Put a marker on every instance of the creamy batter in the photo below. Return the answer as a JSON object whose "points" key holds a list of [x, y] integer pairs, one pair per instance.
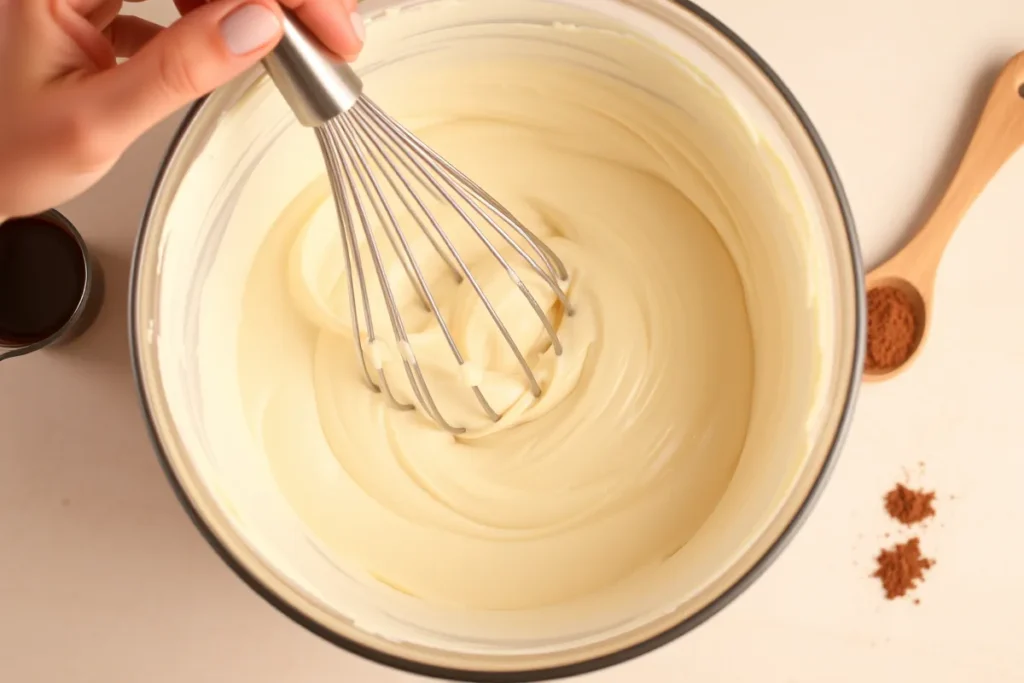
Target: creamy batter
{"points": [[642, 418], [661, 442]]}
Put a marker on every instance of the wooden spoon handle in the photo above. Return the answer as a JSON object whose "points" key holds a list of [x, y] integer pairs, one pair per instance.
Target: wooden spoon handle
{"points": [[999, 133]]}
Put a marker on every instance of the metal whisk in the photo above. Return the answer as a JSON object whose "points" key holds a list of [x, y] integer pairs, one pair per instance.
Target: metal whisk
{"points": [[364, 149]]}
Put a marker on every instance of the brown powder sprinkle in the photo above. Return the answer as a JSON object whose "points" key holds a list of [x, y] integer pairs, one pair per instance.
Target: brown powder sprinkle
{"points": [[892, 330], [908, 506], [901, 567]]}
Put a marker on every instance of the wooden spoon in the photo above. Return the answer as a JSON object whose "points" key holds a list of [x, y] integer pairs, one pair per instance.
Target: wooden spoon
{"points": [[1000, 132]]}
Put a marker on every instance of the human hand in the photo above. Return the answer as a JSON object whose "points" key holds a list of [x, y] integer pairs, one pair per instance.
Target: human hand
{"points": [[68, 110]]}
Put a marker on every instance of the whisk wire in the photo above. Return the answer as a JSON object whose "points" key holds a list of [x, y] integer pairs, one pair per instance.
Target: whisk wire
{"points": [[381, 154], [361, 136], [405, 253], [384, 215], [335, 175], [531, 378], [433, 159], [390, 126], [412, 369], [336, 145], [424, 180], [359, 142]]}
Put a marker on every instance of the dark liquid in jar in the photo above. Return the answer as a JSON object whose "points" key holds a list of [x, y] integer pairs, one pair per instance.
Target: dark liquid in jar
{"points": [[42, 275]]}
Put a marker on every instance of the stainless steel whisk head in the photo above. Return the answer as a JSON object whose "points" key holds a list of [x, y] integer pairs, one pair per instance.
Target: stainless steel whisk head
{"points": [[368, 153]]}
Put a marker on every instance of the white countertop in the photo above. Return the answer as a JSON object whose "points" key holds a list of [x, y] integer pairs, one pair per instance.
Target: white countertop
{"points": [[103, 578]]}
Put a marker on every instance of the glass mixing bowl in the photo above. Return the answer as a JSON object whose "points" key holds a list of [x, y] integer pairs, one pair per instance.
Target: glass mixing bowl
{"points": [[804, 396]]}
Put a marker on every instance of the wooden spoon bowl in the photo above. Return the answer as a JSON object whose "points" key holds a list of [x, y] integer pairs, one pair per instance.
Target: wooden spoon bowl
{"points": [[918, 308]]}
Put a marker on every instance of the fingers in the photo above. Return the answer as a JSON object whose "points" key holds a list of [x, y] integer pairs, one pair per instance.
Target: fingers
{"points": [[202, 50], [170, 67], [335, 22], [128, 34]]}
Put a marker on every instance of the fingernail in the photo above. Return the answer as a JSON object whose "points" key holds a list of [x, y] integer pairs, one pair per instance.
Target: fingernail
{"points": [[358, 26], [248, 28]]}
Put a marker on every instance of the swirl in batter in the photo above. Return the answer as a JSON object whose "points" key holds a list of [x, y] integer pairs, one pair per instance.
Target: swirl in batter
{"points": [[642, 418]]}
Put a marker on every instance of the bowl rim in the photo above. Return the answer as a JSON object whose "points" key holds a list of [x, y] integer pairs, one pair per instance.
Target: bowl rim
{"points": [[593, 664]]}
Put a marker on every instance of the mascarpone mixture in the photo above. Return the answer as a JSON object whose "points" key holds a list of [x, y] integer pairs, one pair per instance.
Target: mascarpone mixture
{"points": [[657, 212], [641, 420]]}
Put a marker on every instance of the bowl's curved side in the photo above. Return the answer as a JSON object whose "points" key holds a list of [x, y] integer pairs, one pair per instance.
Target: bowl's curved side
{"points": [[135, 330]]}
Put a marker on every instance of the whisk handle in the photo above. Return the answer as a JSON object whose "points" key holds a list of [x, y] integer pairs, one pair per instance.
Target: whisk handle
{"points": [[315, 86]]}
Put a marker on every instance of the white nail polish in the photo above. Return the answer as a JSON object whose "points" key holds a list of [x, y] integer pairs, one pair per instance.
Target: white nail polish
{"points": [[358, 26], [248, 28]]}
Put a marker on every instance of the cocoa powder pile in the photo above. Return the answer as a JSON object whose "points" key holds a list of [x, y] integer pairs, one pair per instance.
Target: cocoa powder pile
{"points": [[908, 506], [892, 328], [901, 567]]}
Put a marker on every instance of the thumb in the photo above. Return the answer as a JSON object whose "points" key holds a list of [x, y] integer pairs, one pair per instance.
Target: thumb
{"points": [[201, 51]]}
